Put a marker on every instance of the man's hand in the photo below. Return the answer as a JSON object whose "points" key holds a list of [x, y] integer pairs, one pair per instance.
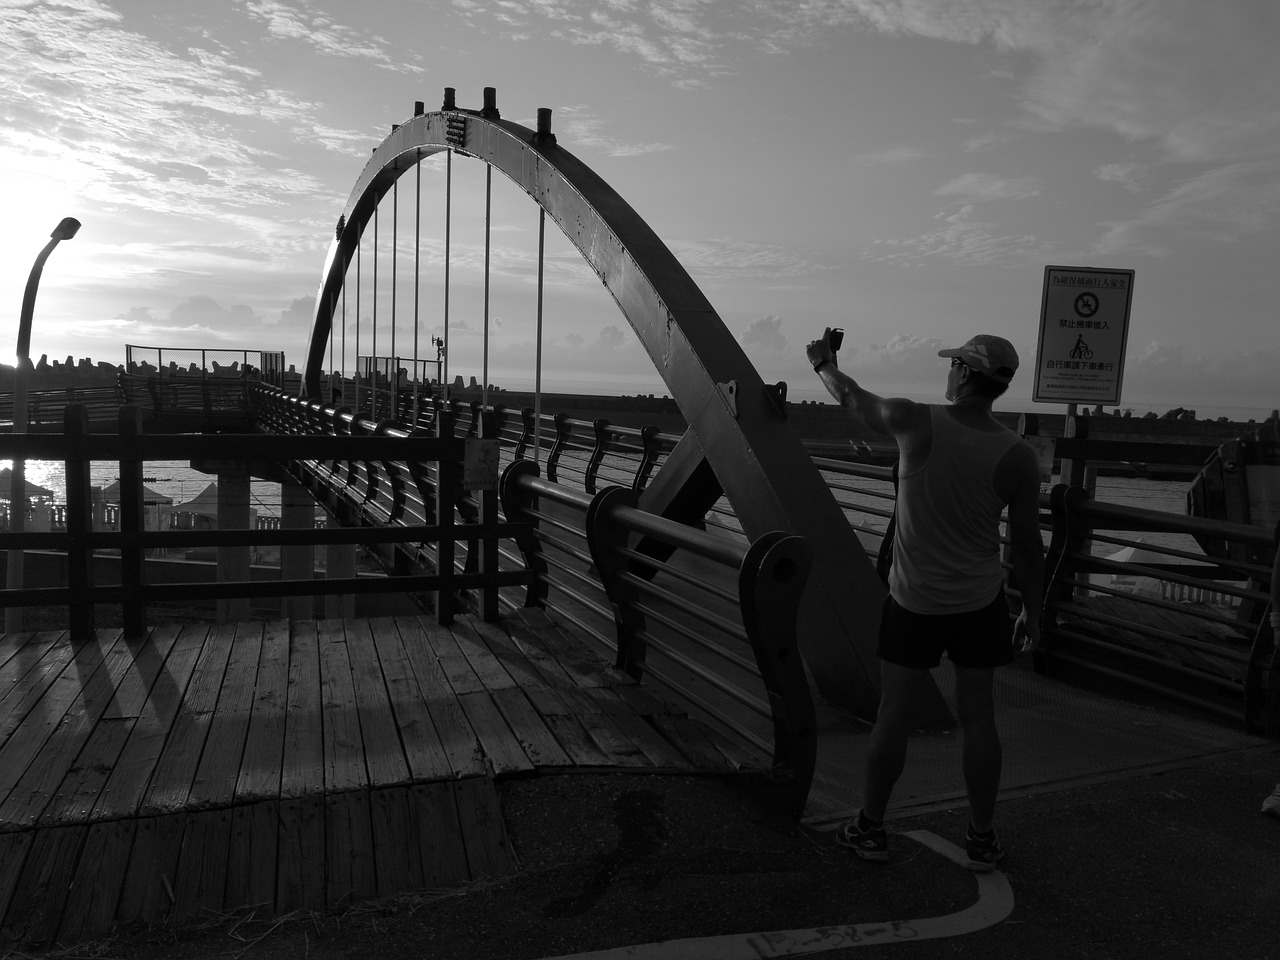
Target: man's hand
{"points": [[1026, 633], [819, 351]]}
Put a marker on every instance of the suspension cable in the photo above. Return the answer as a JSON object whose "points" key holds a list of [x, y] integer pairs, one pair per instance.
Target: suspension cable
{"points": [[393, 371], [359, 274], [537, 370], [448, 223], [373, 350], [417, 255], [342, 371], [488, 209]]}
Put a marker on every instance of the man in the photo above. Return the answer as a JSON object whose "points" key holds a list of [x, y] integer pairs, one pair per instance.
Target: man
{"points": [[959, 468]]}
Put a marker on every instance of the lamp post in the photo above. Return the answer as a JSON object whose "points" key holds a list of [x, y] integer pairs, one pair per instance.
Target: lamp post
{"points": [[18, 481]]}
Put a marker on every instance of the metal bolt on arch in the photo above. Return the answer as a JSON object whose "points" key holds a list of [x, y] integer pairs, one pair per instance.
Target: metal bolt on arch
{"points": [[737, 423]]}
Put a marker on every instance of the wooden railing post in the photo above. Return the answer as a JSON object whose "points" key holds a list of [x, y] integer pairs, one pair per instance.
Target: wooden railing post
{"points": [[606, 541], [526, 434], [771, 582], [132, 522], [490, 518], [79, 527], [1069, 533], [557, 447], [446, 486], [1262, 677], [648, 458], [518, 507], [600, 429]]}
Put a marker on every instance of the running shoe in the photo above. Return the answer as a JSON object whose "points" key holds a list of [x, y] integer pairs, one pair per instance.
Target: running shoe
{"points": [[983, 850], [1271, 805], [869, 842]]}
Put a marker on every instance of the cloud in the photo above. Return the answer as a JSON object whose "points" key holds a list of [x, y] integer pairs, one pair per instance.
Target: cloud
{"points": [[893, 156], [721, 260], [966, 240], [1224, 204], [577, 126], [976, 187], [763, 337]]}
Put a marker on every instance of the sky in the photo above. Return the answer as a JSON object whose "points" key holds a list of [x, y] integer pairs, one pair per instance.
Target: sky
{"points": [[902, 169]]}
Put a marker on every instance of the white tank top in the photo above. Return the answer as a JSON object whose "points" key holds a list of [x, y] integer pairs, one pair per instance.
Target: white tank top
{"points": [[946, 553]]}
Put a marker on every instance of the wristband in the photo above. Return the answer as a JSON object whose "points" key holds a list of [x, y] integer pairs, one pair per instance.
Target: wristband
{"points": [[818, 366]]}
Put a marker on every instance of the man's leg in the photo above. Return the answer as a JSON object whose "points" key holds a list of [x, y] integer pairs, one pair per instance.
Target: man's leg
{"points": [[887, 753], [982, 754]]}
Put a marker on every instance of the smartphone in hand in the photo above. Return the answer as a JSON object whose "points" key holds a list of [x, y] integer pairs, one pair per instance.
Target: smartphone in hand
{"points": [[836, 339]]}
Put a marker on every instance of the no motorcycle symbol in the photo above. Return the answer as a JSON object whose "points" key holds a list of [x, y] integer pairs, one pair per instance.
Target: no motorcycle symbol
{"points": [[1087, 305]]}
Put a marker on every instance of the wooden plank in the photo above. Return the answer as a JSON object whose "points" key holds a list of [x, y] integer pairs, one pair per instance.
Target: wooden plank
{"points": [[13, 855], [13, 644], [458, 739], [491, 673], [569, 732], [219, 767], [484, 832], [584, 666], [437, 835], [617, 711], [122, 793], [348, 840], [424, 753], [384, 754], [262, 764], [396, 865], [30, 687], [175, 770], [507, 652], [344, 766], [691, 740], [35, 911], [302, 770], [202, 868], [300, 881], [146, 895], [251, 858], [90, 911], [500, 745], [75, 782], [531, 732], [458, 672], [34, 761], [24, 677]]}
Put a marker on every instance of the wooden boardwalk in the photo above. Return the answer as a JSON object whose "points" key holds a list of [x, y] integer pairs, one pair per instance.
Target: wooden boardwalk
{"points": [[292, 764]]}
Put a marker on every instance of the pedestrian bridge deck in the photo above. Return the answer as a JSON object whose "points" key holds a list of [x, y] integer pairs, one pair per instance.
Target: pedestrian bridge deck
{"points": [[293, 764]]}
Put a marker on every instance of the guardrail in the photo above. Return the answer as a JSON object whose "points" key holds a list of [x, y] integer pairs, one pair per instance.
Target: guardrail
{"points": [[355, 492], [732, 653]]}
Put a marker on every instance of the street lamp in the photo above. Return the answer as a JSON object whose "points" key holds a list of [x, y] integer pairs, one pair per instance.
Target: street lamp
{"points": [[18, 482]]}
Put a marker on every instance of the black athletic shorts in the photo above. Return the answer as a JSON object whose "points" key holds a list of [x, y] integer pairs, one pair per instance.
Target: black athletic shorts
{"points": [[979, 638]]}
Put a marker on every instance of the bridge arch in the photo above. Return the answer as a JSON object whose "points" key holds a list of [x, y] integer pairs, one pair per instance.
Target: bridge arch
{"points": [[737, 424]]}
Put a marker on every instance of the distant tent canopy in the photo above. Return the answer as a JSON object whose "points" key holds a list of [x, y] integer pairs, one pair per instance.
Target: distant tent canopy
{"points": [[34, 490]]}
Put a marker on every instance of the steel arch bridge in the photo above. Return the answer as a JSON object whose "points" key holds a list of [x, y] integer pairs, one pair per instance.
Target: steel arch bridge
{"points": [[737, 423]]}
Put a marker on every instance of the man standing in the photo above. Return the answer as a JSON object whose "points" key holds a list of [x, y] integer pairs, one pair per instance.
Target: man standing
{"points": [[959, 468]]}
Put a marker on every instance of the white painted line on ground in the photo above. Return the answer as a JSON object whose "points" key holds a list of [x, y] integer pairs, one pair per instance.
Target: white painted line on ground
{"points": [[995, 903]]}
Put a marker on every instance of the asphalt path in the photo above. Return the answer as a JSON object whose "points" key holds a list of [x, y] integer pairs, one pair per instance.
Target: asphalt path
{"points": [[1174, 864]]}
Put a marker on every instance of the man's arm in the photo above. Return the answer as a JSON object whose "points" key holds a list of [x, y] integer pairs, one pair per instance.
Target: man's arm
{"points": [[1027, 549], [887, 415]]}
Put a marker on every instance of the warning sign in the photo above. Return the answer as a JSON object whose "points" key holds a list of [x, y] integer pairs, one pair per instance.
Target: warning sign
{"points": [[1084, 329]]}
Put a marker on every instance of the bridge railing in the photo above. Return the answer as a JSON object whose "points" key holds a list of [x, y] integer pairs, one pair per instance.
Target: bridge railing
{"points": [[710, 618], [1191, 629], [1187, 626], [352, 455]]}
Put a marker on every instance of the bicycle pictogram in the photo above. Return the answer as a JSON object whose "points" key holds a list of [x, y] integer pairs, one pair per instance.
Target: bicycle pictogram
{"points": [[1081, 350]]}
